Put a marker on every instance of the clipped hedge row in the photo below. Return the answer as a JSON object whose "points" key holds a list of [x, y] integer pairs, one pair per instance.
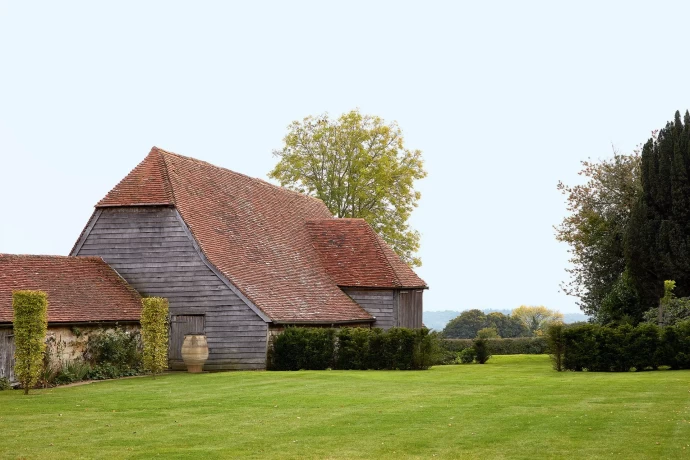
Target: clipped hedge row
{"points": [[619, 349], [515, 346], [352, 348]]}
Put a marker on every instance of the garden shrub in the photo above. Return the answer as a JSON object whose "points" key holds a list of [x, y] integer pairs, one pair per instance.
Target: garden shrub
{"points": [[353, 348], [682, 352], [580, 347], [481, 350], [554, 338], [154, 334], [306, 348], [5, 384], [620, 349], [467, 356], [400, 345], [113, 353], [643, 344], [488, 333], [72, 371], [612, 354], [669, 343], [30, 323], [377, 358], [426, 350], [514, 346]]}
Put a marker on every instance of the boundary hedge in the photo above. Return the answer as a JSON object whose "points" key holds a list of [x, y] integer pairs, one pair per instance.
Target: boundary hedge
{"points": [[514, 346], [352, 348], [620, 349]]}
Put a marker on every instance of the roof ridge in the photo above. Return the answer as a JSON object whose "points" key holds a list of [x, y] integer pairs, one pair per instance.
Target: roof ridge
{"points": [[256, 179], [167, 183]]}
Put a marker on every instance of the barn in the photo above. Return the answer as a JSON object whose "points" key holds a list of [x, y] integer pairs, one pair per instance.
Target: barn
{"points": [[239, 259]]}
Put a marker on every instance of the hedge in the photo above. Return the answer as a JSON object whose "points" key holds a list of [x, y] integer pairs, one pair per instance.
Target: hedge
{"points": [[515, 346], [619, 349], [30, 324], [352, 348], [154, 334]]}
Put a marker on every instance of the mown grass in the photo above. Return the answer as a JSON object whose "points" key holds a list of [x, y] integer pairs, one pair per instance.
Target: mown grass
{"points": [[512, 407]]}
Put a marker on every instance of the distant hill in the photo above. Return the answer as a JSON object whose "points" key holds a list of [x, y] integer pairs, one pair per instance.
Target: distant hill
{"points": [[437, 320]]}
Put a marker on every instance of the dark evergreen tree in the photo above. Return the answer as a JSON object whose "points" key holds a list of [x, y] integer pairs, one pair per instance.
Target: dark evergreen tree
{"points": [[658, 237]]}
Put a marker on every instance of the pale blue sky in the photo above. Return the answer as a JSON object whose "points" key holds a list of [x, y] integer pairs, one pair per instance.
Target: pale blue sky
{"points": [[503, 98]]}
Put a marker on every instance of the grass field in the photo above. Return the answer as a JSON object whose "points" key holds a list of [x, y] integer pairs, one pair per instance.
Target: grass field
{"points": [[512, 407]]}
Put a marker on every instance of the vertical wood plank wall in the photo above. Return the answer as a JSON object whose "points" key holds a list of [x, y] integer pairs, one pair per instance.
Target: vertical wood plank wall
{"points": [[410, 309], [380, 304], [7, 354], [180, 325], [149, 248]]}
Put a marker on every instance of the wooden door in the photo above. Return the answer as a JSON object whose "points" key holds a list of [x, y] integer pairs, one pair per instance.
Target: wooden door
{"points": [[7, 354], [179, 326]]}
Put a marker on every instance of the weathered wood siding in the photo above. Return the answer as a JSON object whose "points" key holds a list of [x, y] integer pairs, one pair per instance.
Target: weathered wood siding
{"points": [[180, 325], [380, 304], [394, 308], [410, 309], [7, 354], [149, 247]]}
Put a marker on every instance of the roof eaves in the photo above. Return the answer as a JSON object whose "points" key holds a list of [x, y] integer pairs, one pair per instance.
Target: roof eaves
{"points": [[322, 322], [171, 205]]}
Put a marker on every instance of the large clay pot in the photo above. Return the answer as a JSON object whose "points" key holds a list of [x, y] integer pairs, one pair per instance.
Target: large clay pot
{"points": [[194, 352]]}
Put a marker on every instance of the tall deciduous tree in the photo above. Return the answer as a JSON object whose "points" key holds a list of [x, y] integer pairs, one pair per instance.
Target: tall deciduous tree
{"points": [[599, 214], [466, 325], [507, 326], [358, 166], [536, 318]]}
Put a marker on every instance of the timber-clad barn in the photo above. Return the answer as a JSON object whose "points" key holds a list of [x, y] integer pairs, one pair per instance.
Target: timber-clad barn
{"points": [[239, 259]]}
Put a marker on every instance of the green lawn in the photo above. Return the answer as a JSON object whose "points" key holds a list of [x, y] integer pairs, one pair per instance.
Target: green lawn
{"points": [[512, 407]]}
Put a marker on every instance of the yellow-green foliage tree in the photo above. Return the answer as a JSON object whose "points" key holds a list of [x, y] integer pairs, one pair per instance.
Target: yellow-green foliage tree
{"points": [[30, 325], [536, 318], [154, 334], [358, 166]]}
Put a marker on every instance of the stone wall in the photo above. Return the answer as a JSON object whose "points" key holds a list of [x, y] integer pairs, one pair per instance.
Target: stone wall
{"points": [[67, 343]]}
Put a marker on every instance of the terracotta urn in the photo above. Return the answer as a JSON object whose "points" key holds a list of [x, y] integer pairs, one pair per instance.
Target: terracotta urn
{"points": [[194, 352]]}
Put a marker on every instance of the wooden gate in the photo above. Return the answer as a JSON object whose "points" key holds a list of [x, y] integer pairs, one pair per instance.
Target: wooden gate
{"points": [[179, 326], [7, 354]]}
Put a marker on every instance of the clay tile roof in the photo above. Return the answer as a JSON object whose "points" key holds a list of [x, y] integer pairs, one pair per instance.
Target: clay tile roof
{"points": [[80, 289], [253, 232], [354, 255], [147, 184]]}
